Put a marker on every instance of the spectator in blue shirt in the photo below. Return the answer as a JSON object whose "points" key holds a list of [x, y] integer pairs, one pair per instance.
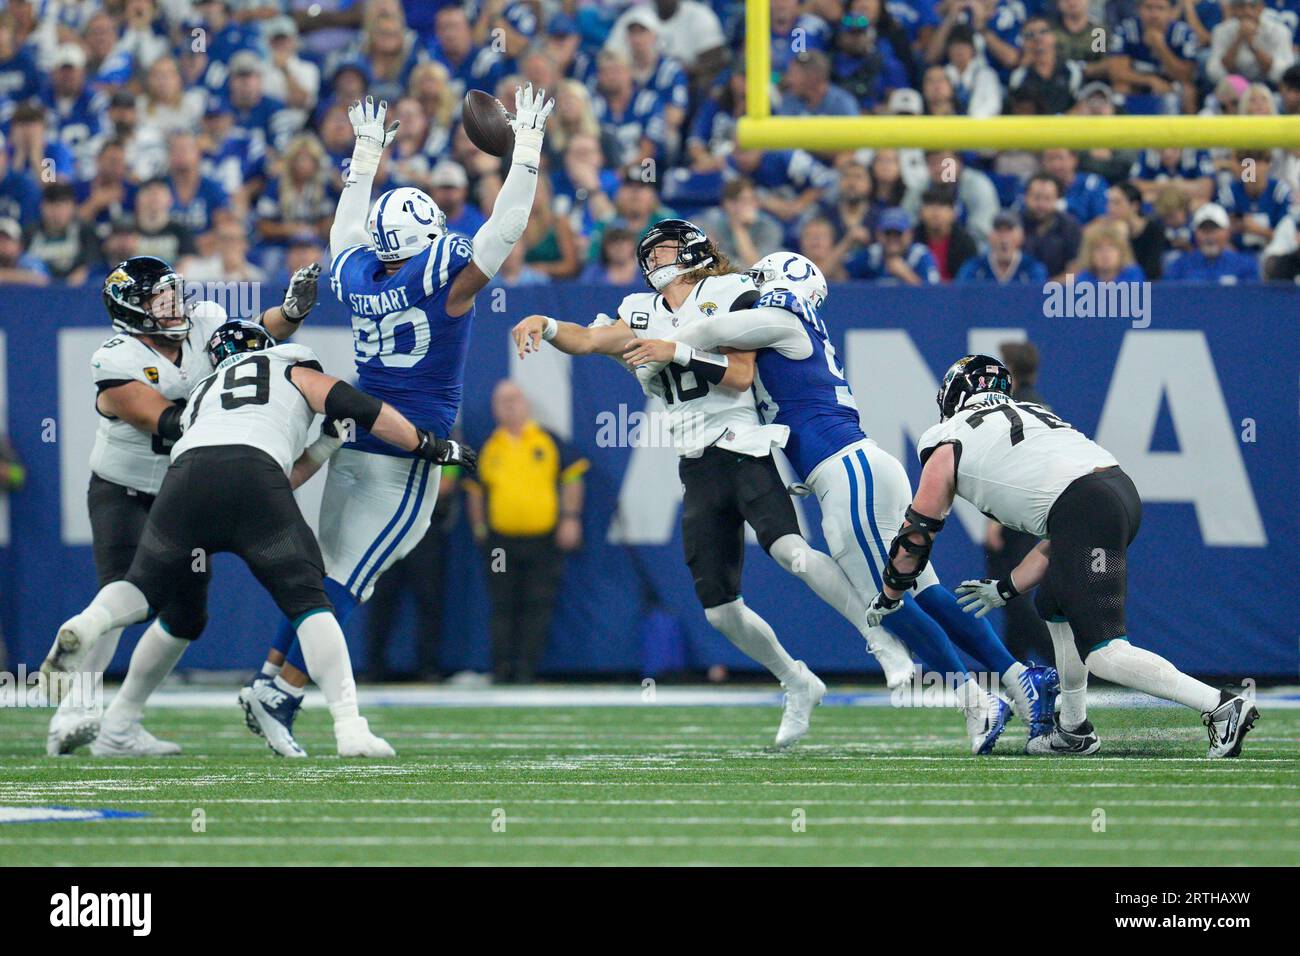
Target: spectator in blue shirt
{"points": [[633, 117], [810, 92], [1154, 54], [1191, 170], [895, 258], [1005, 263], [451, 192], [195, 197], [16, 266], [20, 193], [1106, 256], [1084, 193], [865, 63], [812, 33], [263, 119], [76, 110], [1213, 260], [1255, 200], [20, 80], [470, 67], [661, 75], [33, 151]]}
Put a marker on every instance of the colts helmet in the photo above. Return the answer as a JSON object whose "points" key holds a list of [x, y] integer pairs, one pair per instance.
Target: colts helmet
{"points": [[789, 270], [403, 223], [129, 292], [235, 338], [969, 376], [694, 251]]}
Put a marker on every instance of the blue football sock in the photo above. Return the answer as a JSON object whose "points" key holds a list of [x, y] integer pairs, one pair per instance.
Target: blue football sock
{"points": [[344, 604], [972, 634], [925, 638]]}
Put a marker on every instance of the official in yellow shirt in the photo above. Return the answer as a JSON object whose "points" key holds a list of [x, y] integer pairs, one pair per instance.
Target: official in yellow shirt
{"points": [[525, 506]]}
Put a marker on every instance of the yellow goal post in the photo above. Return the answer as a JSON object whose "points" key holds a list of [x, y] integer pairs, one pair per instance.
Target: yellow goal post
{"points": [[759, 129]]}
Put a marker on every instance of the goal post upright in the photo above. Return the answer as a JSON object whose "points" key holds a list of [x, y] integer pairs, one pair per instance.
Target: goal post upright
{"points": [[759, 129]]}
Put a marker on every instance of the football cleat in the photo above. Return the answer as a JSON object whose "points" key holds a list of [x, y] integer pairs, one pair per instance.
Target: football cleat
{"points": [[130, 740], [355, 740], [985, 723], [71, 645], [892, 656], [1035, 698], [68, 732], [270, 712], [1080, 742], [1228, 724], [801, 696]]}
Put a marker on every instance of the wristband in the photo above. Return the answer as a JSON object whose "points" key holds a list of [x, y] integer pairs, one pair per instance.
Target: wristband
{"points": [[682, 354], [1007, 589], [552, 329]]}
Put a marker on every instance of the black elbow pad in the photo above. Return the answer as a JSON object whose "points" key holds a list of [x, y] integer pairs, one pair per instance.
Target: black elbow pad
{"points": [[345, 403], [169, 422]]}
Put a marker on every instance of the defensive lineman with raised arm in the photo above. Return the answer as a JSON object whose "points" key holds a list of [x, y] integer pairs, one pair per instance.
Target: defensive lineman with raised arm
{"points": [[410, 286], [861, 489], [728, 474], [230, 489], [143, 375], [1028, 470]]}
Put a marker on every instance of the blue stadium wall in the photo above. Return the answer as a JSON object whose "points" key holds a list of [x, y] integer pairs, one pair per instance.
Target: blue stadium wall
{"points": [[1197, 397]]}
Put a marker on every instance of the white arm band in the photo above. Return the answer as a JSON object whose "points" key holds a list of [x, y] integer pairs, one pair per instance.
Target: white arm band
{"points": [[496, 237], [349, 226], [552, 329]]}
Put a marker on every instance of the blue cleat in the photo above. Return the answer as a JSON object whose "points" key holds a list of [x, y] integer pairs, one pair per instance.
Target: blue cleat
{"points": [[1041, 686], [986, 723], [269, 712]]}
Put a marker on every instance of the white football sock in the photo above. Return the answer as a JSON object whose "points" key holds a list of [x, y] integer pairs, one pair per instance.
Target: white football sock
{"points": [[122, 602], [753, 636], [1121, 663], [329, 664], [81, 699], [153, 659], [828, 581], [271, 671], [1073, 673], [970, 694], [282, 684]]}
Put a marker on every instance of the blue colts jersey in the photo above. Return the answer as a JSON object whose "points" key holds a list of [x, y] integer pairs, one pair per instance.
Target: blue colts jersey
{"points": [[409, 351], [809, 395]]}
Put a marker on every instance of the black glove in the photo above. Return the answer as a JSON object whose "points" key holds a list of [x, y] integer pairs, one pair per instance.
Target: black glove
{"points": [[444, 451]]}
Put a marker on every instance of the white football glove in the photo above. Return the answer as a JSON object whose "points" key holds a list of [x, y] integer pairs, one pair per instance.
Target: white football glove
{"points": [[372, 136], [301, 297], [880, 608], [979, 596], [531, 112]]}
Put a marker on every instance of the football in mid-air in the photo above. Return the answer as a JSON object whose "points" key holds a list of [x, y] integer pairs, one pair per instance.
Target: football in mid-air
{"points": [[487, 124]]}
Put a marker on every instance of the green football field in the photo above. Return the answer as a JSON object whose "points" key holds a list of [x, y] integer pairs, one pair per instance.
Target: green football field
{"points": [[654, 784]]}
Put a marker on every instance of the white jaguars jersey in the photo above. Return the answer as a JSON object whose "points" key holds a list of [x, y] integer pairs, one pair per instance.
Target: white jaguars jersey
{"points": [[250, 400], [123, 454], [700, 414], [1014, 459]]}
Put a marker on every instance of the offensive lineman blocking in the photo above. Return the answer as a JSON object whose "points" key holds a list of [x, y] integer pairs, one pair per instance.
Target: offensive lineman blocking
{"points": [[1023, 466]]}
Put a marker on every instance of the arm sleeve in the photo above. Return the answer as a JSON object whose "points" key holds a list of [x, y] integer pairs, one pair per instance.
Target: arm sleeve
{"points": [[496, 237], [349, 228], [761, 328]]}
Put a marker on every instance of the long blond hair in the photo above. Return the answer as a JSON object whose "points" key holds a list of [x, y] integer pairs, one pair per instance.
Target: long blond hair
{"points": [[1099, 232]]}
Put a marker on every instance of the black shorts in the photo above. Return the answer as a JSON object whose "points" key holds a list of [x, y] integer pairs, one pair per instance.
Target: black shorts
{"points": [[117, 518], [1091, 525], [722, 490], [226, 498]]}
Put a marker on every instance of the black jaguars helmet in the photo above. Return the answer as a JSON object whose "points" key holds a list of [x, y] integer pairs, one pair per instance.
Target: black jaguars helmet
{"points": [[235, 338], [129, 291], [967, 376], [694, 250]]}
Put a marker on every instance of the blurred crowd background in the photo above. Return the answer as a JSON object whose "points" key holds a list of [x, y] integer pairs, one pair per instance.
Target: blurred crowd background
{"points": [[212, 133]]}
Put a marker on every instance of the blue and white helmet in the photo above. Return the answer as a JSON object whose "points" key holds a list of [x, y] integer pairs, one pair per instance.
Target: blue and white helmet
{"points": [[403, 223], [789, 270]]}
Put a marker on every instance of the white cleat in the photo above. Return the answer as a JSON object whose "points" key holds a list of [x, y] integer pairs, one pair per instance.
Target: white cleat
{"points": [[802, 694], [67, 733], [76, 637], [1228, 725], [985, 722], [892, 655], [130, 740], [355, 740], [1059, 742]]}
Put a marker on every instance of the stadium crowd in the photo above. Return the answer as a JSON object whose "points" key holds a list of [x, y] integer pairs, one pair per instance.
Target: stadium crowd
{"points": [[212, 133]]}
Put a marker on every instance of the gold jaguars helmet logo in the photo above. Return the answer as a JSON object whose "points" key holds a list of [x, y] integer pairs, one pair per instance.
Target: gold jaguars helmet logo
{"points": [[118, 282]]}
